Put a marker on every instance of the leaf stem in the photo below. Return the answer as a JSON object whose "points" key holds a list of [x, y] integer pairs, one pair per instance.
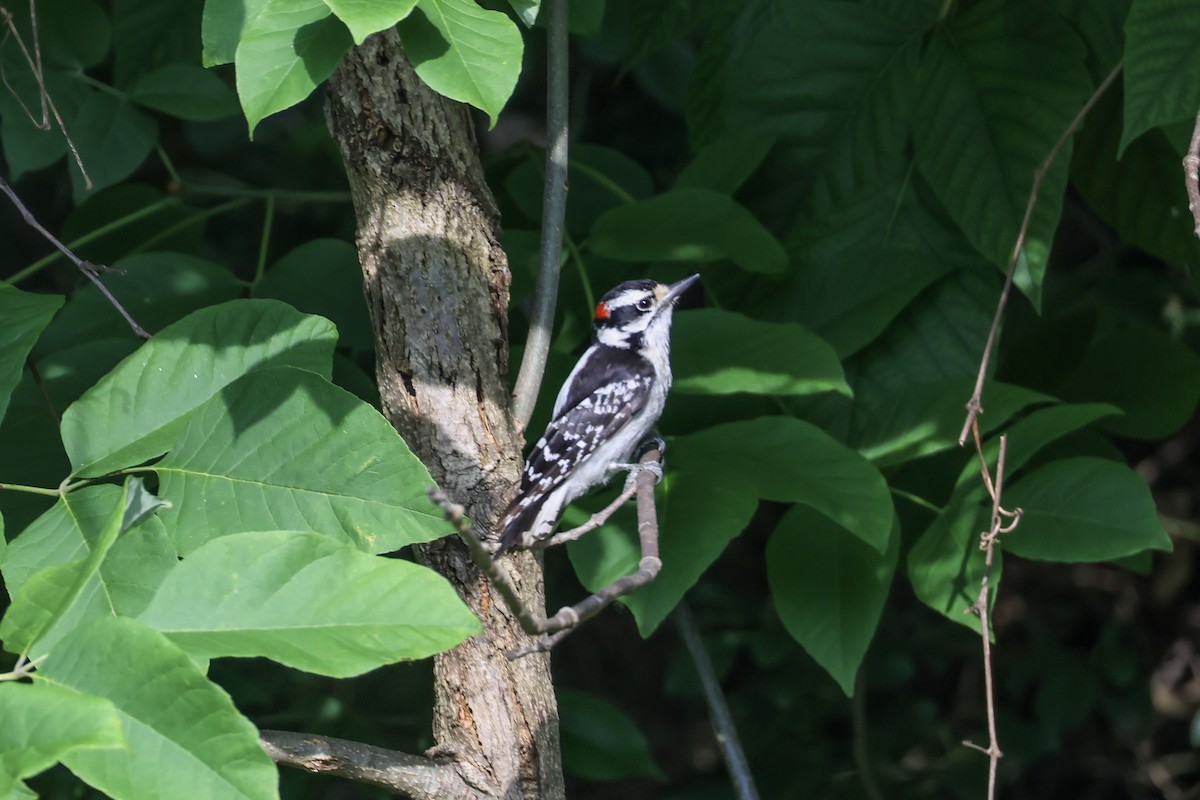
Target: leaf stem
{"points": [[265, 243], [17, 487]]}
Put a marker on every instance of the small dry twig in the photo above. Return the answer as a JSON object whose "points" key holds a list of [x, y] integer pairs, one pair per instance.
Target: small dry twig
{"points": [[91, 271], [561, 624], [34, 61], [987, 543]]}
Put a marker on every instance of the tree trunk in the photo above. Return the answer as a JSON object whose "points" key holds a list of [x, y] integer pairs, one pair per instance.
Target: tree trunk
{"points": [[437, 287]]}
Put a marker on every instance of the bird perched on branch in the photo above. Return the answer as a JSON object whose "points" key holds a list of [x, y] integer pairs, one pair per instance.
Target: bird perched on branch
{"points": [[606, 408]]}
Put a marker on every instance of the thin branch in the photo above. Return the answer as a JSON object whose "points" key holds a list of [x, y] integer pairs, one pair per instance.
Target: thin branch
{"points": [[718, 710], [987, 543], [418, 777], [86, 267], [596, 520], [569, 617], [554, 207], [975, 404], [1191, 174]]}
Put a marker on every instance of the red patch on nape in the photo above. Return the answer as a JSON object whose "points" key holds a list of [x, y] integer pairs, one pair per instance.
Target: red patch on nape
{"points": [[602, 311]]}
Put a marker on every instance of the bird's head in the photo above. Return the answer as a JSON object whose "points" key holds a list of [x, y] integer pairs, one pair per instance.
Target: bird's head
{"points": [[634, 309]]}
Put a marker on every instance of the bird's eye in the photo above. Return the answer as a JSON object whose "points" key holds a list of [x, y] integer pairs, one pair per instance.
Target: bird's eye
{"points": [[644, 304]]}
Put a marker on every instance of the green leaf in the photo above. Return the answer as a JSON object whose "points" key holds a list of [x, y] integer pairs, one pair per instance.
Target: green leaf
{"points": [[56, 599], [464, 52], [113, 138], [287, 49], [600, 742], [185, 737], [59, 597], [724, 164], [829, 588], [1162, 52], [720, 352], [283, 449], [322, 276], [186, 91], [790, 460], [700, 510], [526, 10], [221, 28], [691, 225], [945, 564], [309, 602], [364, 17], [1083, 509], [996, 95], [850, 297], [137, 410], [150, 35], [24, 315], [42, 723], [1150, 376], [1139, 194]]}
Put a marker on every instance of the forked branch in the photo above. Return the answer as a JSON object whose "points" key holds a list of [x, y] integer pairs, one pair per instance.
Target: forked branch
{"points": [[561, 624]]}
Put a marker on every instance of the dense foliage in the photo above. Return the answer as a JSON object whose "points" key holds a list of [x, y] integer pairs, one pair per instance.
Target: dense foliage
{"points": [[849, 177]]}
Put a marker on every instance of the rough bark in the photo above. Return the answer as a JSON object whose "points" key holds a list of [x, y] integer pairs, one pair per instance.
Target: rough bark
{"points": [[437, 286]]}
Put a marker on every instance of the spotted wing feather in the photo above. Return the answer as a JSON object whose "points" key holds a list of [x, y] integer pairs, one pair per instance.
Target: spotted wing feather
{"points": [[593, 410]]}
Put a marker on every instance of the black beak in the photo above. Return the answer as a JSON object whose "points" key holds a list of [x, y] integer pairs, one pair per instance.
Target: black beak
{"points": [[676, 290]]}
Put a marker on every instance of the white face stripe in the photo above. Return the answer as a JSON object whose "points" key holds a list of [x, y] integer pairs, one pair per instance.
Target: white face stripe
{"points": [[627, 298]]}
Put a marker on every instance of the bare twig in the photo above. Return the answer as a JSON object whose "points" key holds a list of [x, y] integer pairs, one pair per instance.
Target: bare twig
{"points": [[595, 521], [1191, 174], [718, 710], [987, 543], [86, 267], [41, 386], [554, 207], [34, 62], [569, 617], [418, 777], [975, 404]]}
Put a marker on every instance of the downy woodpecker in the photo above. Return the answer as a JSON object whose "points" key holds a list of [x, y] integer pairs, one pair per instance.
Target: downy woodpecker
{"points": [[608, 405]]}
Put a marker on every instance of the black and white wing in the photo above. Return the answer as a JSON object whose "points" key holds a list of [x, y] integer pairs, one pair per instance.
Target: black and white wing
{"points": [[598, 400]]}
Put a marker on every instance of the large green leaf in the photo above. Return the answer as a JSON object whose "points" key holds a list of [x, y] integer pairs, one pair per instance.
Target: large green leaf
{"points": [[1150, 376], [307, 601], [136, 411], [60, 596], [186, 91], [691, 225], [464, 52], [945, 564], [287, 48], [829, 588], [600, 742], [724, 164], [24, 315], [1000, 83], [42, 723], [790, 460], [1083, 509], [720, 352], [185, 737], [1139, 194], [850, 297], [283, 449], [113, 138], [364, 17], [1162, 54], [700, 510]]}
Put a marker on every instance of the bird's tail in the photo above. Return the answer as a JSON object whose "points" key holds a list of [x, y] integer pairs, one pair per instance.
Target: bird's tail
{"points": [[519, 518]]}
